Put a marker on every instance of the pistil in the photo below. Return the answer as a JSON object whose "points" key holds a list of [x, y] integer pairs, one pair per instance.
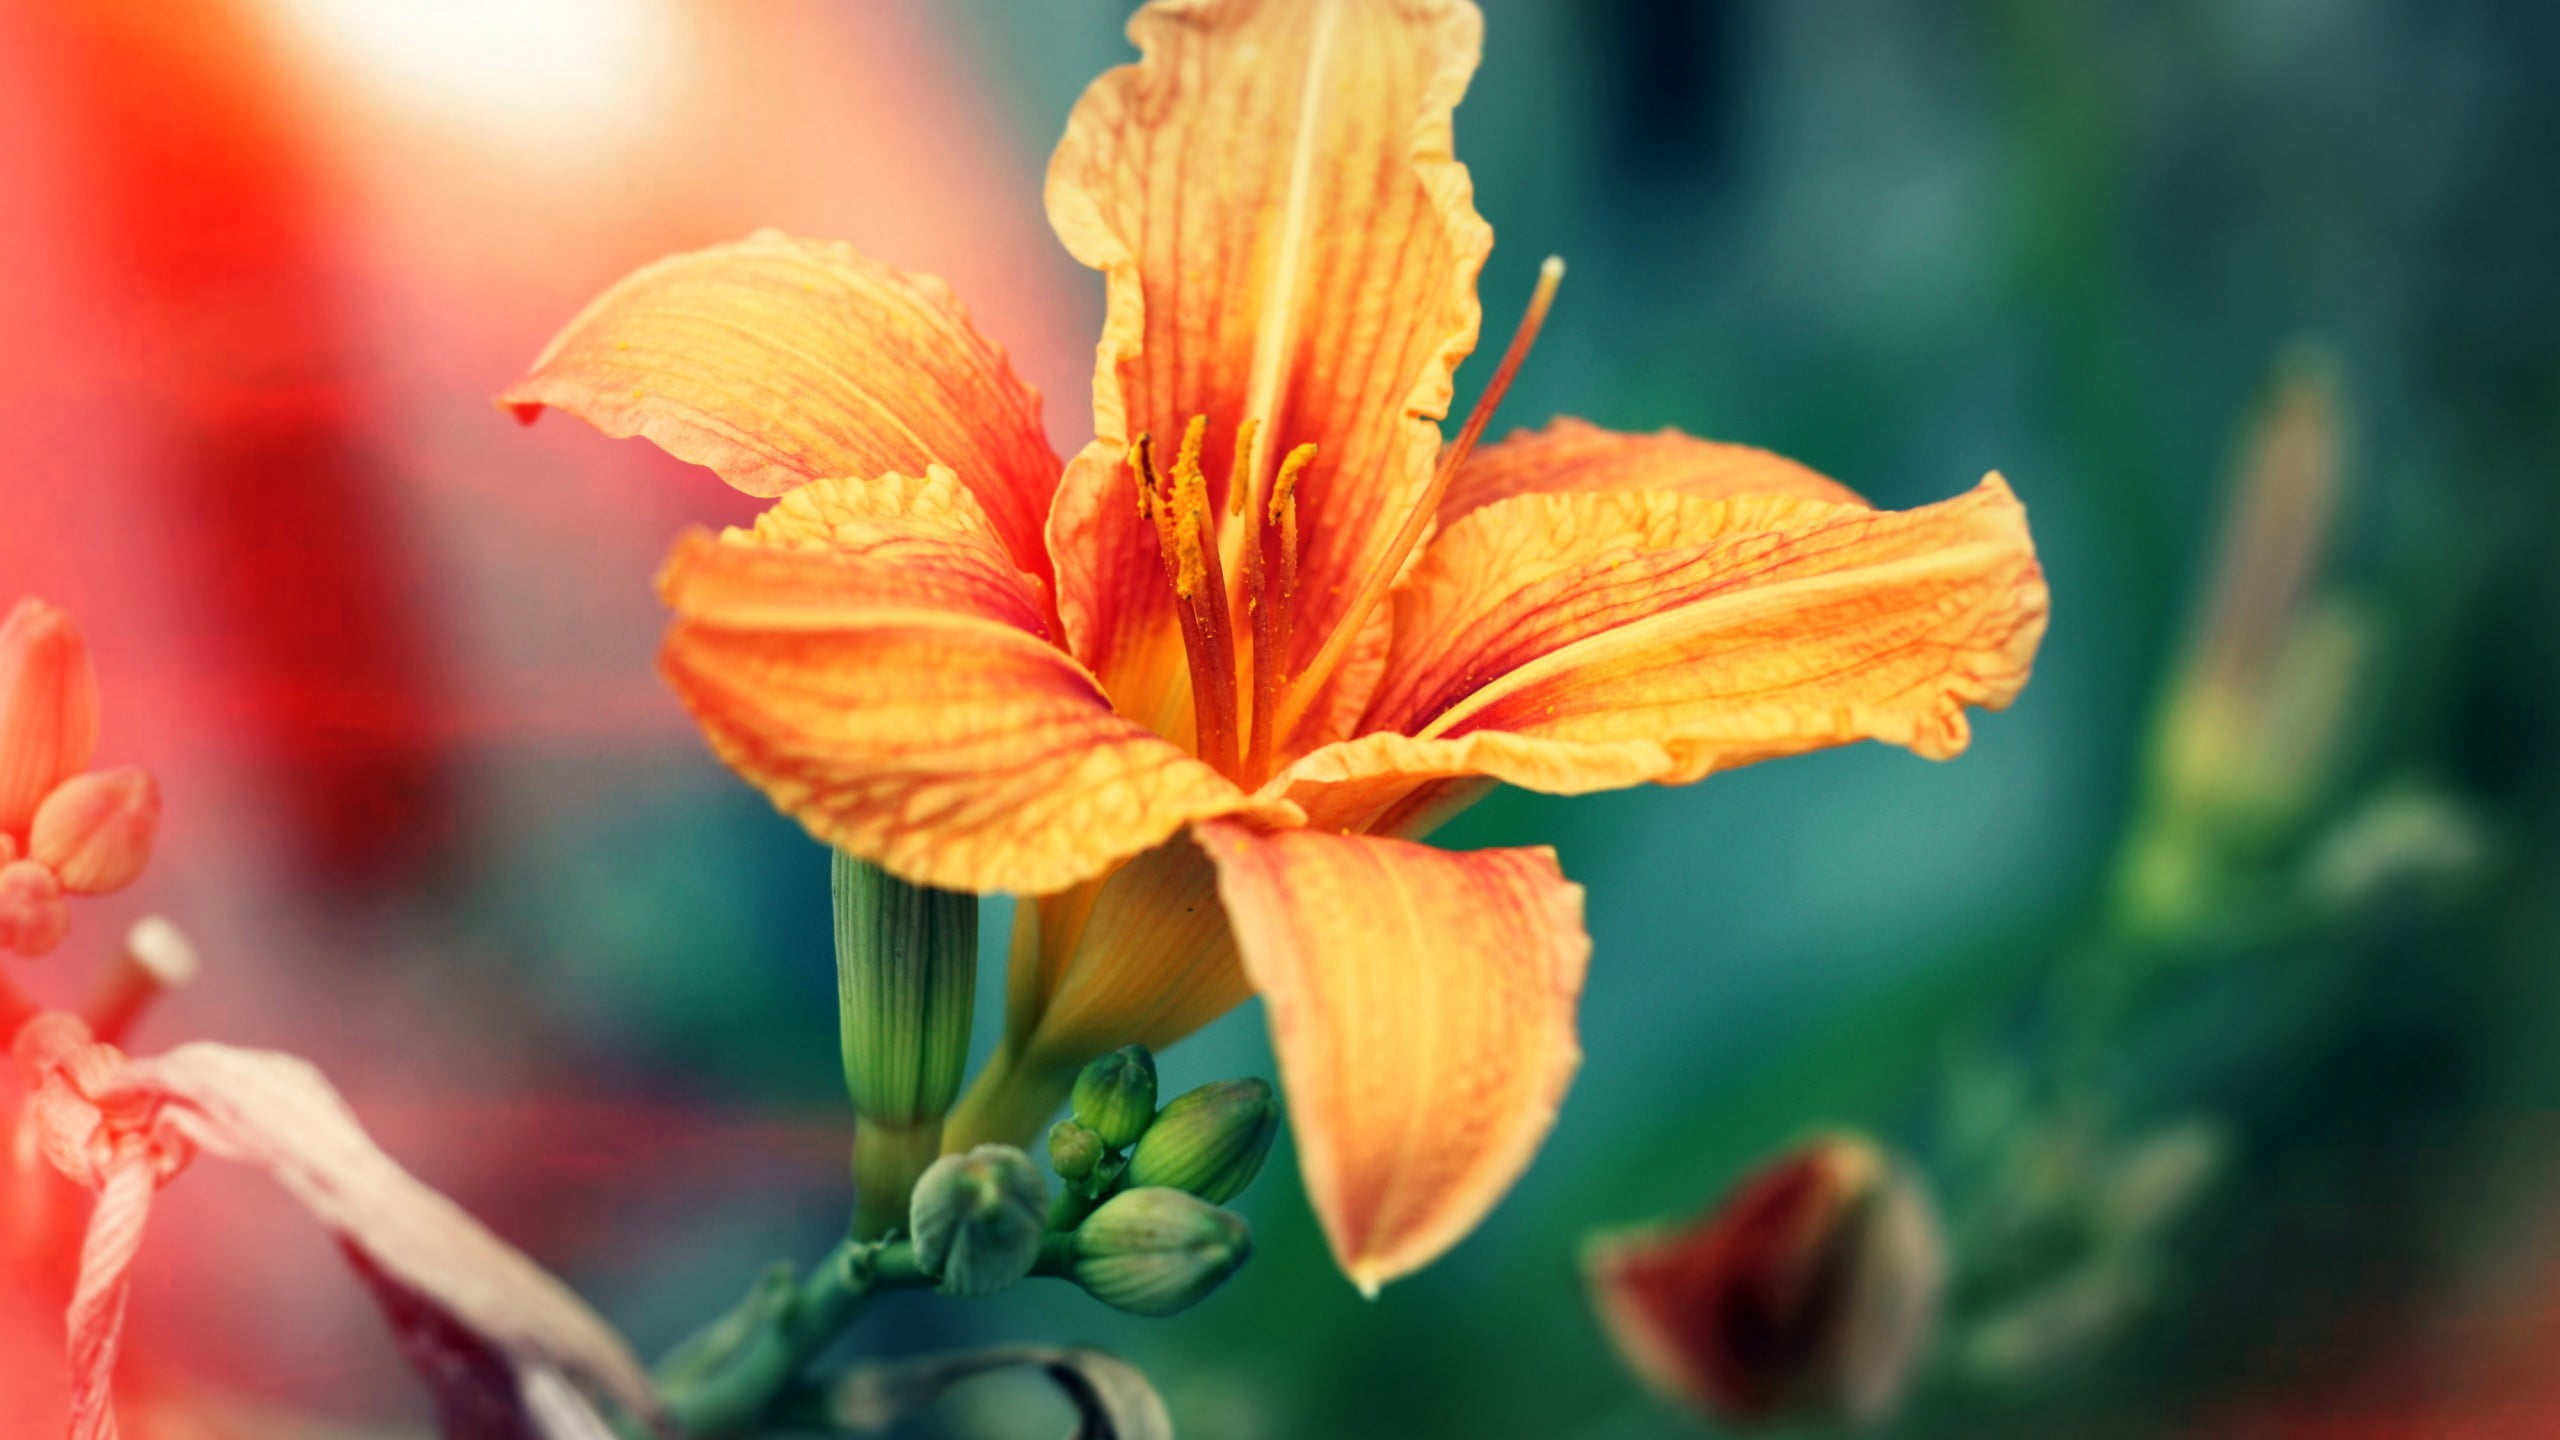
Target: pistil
{"points": [[1302, 692], [1271, 583], [1187, 544], [1210, 603], [1245, 704]]}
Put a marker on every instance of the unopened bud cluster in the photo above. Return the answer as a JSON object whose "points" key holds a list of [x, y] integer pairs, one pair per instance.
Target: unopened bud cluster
{"points": [[64, 830], [1137, 1219], [1144, 1186], [1138, 1222]]}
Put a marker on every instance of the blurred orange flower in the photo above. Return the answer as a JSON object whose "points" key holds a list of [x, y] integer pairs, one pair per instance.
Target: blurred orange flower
{"points": [[1203, 709]]}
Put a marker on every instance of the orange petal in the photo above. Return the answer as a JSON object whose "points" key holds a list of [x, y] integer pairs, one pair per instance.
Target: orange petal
{"points": [[1141, 956], [908, 541], [1573, 456], [1422, 1006], [1656, 636], [1389, 784], [1287, 237], [1149, 960], [48, 708], [898, 700], [776, 361]]}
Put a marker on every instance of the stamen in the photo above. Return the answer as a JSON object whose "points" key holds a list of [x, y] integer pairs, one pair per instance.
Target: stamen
{"points": [[1245, 535], [1533, 319], [1200, 580], [1240, 472], [1142, 468], [1284, 486], [1190, 487], [1272, 583], [1303, 691], [1155, 504]]}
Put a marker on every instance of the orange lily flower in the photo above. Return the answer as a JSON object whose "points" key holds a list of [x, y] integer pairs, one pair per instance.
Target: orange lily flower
{"points": [[1201, 689]]}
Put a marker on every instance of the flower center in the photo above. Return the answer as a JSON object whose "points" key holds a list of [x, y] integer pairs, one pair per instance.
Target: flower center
{"points": [[1245, 704]]}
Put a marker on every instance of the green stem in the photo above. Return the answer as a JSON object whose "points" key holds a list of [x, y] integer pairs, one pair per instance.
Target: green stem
{"points": [[886, 1161], [1068, 1208], [1077, 1199], [1012, 1099], [1057, 1256], [723, 1383]]}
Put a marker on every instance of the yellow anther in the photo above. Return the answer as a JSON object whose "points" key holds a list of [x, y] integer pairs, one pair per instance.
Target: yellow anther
{"points": [[1284, 486], [1240, 474], [1142, 468], [1183, 513], [1190, 565], [1189, 485]]}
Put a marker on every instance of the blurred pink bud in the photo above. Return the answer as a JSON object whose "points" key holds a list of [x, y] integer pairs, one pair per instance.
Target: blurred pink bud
{"points": [[1806, 1294], [33, 918], [95, 831], [48, 708], [8, 847]]}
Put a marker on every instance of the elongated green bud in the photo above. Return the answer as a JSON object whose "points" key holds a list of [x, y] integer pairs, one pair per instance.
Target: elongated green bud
{"points": [[1073, 1150], [1158, 1252], [1115, 1097], [1210, 1141], [906, 980], [906, 977], [977, 1219]]}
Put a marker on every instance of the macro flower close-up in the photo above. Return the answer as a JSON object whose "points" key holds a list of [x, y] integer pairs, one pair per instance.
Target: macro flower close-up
{"points": [[1102, 833], [1204, 694]]}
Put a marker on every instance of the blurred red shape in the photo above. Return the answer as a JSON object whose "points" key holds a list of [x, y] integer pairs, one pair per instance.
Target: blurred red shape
{"points": [[263, 263]]}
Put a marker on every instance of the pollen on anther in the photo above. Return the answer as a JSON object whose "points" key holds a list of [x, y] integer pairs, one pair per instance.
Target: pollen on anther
{"points": [[1189, 485], [1190, 566], [1240, 472], [1284, 485], [1141, 461]]}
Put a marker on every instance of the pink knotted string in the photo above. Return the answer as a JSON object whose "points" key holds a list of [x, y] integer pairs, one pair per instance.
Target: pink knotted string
{"points": [[118, 1148], [121, 1128]]}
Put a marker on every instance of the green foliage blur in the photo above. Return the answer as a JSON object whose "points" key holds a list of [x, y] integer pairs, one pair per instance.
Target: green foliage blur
{"points": [[2288, 1151]]}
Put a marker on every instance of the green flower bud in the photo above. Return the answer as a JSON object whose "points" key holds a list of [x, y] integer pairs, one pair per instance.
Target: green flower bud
{"points": [[1210, 1141], [1158, 1252], [906, 977], [1073, 1150], [1115, 1097], [977, 1219], [906, 973]]}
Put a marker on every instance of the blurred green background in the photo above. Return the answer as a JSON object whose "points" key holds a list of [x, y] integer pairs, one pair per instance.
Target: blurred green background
{"points": [[1905, 243]]}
